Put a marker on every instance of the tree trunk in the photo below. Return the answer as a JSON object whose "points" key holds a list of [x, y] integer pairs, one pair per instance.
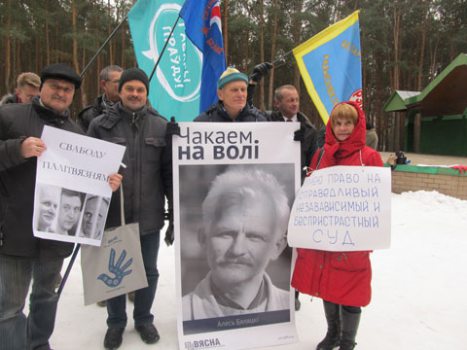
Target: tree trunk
{"points": [[296, 34], [417, 132], [275, 26], [8, 46], [421, 59], [47, 39], [396, 37], [74, 16], [261, 52], [225, 28], [396, 57], [109, 30]]}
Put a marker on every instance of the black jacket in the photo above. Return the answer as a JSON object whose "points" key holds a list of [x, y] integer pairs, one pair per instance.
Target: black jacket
{"points": [[9, 98], [308, 145], [217, 113], [18, 178], [90, 112], [147, 178]]}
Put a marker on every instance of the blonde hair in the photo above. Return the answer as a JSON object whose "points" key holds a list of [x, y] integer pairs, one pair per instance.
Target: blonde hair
{"points": [[28, 78], [344, 111]]}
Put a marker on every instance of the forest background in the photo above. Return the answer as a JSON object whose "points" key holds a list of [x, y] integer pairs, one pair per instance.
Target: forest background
{"points": [[405, 43]]}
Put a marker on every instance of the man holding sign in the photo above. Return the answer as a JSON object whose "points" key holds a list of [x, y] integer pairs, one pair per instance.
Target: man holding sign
{"points": [[23, 257], [148, 163], [341, 279]]}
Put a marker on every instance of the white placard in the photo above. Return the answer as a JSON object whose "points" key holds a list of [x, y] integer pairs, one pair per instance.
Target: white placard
{"points": [[343, 208], [72, 191], [205, 153]]}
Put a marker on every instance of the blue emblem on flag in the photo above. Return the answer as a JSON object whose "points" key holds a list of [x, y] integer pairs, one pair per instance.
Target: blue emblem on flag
{"points": [[330, 64]]}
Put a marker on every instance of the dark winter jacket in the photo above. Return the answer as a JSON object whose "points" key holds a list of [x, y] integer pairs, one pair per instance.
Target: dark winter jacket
{"points": [[147, 178], [338, 277], [18, 177], [217, 113], [9, 98], [90, 112], [309, 143]]}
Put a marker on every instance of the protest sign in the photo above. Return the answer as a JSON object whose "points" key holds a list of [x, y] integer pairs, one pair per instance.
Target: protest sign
{"points": [[343, 208], [72, 193], [234, 184]]}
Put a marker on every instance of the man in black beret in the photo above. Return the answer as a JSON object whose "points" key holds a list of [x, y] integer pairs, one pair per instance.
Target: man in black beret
{"points": [[148, 160], [23, 257]]}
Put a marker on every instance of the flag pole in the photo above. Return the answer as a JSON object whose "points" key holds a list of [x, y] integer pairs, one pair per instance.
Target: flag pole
{"points": [[78, 246], [163, 49], [91, 61], [83, 72], [281, 59], [68, 270]]}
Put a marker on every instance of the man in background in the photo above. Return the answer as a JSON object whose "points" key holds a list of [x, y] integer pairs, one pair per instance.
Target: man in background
{"points": [[27, 86], [232, 105], [371, 135], [108, 83], [287, 109]]}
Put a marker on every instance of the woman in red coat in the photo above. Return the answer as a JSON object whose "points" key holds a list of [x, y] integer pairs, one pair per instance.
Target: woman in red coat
{"points": [[341, 279]]}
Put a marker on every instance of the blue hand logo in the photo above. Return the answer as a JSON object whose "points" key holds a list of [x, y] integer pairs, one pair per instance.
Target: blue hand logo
{"points": [[117, 269]]}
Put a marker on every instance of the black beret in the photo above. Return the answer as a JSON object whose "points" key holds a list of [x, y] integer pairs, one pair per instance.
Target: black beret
{"points": [[60, 71], [133, 74]]}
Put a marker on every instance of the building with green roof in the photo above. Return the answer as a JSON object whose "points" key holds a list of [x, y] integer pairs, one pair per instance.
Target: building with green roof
{"points": [[434, 120]]}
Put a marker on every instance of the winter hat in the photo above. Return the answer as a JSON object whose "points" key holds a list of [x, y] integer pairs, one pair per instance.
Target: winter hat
{"points": [[60, 71], [229, 75], [133, 74]]}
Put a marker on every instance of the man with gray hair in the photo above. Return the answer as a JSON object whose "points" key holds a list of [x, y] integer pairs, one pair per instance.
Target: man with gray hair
{"points": [[245, 217], [108, 82]]}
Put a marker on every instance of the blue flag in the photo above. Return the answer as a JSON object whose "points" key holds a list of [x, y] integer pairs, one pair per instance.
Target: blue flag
{"points": [[330, 64], [203, 27], [175, 88]]}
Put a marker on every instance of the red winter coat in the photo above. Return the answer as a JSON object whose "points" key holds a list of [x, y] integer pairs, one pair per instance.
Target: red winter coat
{"points": [[339, 277]]}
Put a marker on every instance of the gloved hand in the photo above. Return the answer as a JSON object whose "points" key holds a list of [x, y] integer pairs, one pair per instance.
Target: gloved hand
{"points": [[172, 128], [260, 70], [169, 234], [299, 135]]}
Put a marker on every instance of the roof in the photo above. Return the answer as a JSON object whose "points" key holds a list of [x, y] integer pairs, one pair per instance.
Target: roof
{"points": [[444, 95], [397, 102]]}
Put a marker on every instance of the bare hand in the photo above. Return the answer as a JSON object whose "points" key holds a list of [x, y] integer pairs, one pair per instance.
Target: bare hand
{"points": [[115, 180], [32, 147]]}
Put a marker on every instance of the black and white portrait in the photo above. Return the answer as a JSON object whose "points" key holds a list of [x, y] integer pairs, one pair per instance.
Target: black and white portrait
{"points": [[69, 212], [94, 216], [47, 207], [233, 238]]}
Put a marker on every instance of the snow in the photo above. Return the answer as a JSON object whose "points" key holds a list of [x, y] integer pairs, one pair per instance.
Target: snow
{"points": [[419, 287]]}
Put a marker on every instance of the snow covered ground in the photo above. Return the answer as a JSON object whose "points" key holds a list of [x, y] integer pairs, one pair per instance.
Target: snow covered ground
{"points": [[419, 290]]}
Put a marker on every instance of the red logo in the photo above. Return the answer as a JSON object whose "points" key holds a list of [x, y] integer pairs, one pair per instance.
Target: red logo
{"points": [[357, 97]]}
